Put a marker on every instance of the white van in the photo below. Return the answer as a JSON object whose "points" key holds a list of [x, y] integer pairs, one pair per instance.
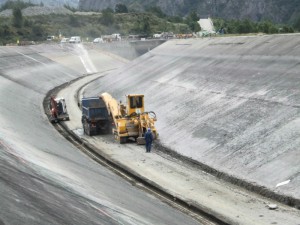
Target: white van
{"points": [[75, 39], [64, 40], [50, 38], [98, 40]]}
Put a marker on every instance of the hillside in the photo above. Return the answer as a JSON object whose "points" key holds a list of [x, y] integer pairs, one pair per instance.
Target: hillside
{"points": [[279, 11], [72, 3]]}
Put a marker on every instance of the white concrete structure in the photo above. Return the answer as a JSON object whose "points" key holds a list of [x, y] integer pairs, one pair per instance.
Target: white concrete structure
{"points": [[207, 26]]}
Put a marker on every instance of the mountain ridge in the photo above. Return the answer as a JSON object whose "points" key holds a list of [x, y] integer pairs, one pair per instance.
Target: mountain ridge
{"points": [[53, 3], [279, 11]]}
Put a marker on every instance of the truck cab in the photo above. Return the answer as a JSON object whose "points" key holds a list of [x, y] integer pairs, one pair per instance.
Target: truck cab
{"points": [[95, 119], [58, 109], [135, 104]]}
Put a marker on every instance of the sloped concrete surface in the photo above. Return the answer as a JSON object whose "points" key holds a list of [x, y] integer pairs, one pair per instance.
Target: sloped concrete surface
{"points": [[229, 203], [44, 179], [232, 103]]}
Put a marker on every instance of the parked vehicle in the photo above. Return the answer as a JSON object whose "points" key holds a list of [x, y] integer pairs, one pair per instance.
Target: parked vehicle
{"points": [[58, 109], [75, 39], [111, 37], [95, 119], [98, 40], [65, 40], [50, 38], [157, 35], [131, 120]]}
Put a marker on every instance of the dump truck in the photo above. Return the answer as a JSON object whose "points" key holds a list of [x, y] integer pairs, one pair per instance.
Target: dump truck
{"points": [[58, 109], [131, 120], [95, 119]]}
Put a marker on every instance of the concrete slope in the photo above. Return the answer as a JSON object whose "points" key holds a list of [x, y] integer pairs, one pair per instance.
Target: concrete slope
{"points": [[232, 103], [181, 180], [80, 58], [44, 179]]}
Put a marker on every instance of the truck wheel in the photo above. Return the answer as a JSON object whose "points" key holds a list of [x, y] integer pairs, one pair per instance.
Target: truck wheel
{"points": [[89, 130], [123, 140], [84, 127], [84, 132], [108, 129]]}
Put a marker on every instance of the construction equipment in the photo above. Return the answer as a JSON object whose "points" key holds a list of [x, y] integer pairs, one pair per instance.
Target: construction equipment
{"points": [[58, 110], [131, 121], [95, 119]]}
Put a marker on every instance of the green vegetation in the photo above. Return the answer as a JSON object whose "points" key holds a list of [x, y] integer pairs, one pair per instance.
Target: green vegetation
{"points": [[89, 26], [297, 24], [37, 28], [121, 8], [192, 21], [247, 26], [155, 10], [70, 8], [17, 18], [15, 4]]}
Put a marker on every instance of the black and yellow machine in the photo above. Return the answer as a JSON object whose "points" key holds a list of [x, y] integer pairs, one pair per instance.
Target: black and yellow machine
{"points": [[131, 120]]}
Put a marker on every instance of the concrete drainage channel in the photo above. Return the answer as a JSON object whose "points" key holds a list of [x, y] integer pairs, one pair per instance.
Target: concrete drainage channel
{"points": [[198, 212], [261, 190]]}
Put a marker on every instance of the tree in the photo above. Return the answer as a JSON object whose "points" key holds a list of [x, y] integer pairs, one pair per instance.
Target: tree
{"points": [[73, 21], [15, 4], [70, 8], [267, 27], [6, 30], [107, 18], [27, 23], [297, 24], [37, 31], [193, 16], [286, 29], [142, 27], [175, 19], [156, 11], [245, 26], [194, 26], [121, 8], [192, 21], [17, 18], [107, 10], [146, 28]]}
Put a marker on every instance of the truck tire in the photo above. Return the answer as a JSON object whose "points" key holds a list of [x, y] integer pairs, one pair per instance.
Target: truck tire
{"points": [[123, 140], [108, 128], [84, 132], [84, 126], [89, 130]]}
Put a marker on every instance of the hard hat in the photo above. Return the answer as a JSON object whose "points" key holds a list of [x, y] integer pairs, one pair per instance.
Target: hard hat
{"points": [[149, 129]]}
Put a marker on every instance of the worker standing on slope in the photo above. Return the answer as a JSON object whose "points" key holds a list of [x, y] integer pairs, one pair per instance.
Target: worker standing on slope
{"points": [[148, 139]]}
